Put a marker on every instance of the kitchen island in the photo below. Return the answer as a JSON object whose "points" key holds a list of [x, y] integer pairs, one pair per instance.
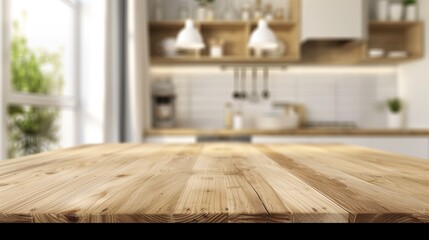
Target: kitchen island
{"points": [[216, 183]]}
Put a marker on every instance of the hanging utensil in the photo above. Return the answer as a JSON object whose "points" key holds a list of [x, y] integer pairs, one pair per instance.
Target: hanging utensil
{"points": [[254, 97], [243, 94], [236, 95], [266, 92]]}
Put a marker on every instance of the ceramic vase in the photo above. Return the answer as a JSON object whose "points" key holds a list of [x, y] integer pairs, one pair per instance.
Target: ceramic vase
{"points": [[395, 120], [229, 12], [411, 12], [210, 13], [396, 12], [201, 13], [382, 10]]}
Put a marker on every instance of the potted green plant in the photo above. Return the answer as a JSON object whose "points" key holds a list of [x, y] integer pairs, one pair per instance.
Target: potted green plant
{"points": [[205, 10], [410, 10], [395, 116]]}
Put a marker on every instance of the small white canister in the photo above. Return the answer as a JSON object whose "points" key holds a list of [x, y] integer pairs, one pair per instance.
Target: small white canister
{"points": [[411, 12], [238, 121], [382, 10], [396, 11], [217, 48], [216, 51]]}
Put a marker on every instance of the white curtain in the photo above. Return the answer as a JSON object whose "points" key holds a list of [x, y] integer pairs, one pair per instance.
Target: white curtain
{"points": [[127, 66], [114, 70], [137, 71], [114, 63], [93, 51]]}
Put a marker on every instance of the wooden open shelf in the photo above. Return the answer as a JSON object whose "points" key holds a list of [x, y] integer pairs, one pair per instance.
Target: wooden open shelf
{"points": [[234, 33], [403, 36], [332, 52], [218, 23], [395, 36], [396, 25], [406, 36], [223, 60]]}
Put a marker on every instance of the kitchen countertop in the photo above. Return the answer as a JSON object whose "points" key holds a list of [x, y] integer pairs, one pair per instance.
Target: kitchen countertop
{"points": [[214, 183], [299, 132]]}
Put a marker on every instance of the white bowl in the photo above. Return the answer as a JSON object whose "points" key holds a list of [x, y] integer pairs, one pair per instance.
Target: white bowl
{"points": [[376, 53]]}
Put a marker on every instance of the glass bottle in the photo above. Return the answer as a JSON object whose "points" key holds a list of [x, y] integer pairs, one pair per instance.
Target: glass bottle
{"points": [[201, 11], [268, 12], [229, 116], [159, 10], [183, 11], [258, 13], [246, 13], [279, 14], [210, 12], [229, 11]]}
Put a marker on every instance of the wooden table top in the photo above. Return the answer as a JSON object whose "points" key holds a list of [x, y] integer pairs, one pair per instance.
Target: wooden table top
{"points": [[214, 183]]}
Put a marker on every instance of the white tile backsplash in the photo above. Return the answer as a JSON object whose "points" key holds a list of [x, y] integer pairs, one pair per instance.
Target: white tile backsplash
{"points": [[354, 97]]}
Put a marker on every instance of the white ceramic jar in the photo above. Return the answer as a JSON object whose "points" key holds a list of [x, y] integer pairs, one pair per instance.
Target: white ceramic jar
{"points": [[216, 51], [201, 13], [394, 120], [411, 12], [396, 11], [382, 10], [238, 123]]}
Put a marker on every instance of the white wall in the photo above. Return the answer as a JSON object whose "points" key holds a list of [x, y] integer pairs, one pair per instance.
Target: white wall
{"points": [[350, 94], [414, 81]]}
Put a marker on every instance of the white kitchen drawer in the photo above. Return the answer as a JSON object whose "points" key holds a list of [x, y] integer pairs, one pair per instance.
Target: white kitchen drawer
{"points": [[172, 140], [358, 141], [408, 146], [321, 140], [279, 140]]}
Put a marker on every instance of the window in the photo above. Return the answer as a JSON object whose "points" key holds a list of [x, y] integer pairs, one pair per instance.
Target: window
{"points": [[40, 76], [2, 83]]}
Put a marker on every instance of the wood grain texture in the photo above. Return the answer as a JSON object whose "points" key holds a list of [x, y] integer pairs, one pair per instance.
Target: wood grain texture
{"points": [[214, 183]]}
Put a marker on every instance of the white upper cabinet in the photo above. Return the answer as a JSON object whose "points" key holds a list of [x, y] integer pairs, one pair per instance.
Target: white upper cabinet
{"points": [[334, 19]]}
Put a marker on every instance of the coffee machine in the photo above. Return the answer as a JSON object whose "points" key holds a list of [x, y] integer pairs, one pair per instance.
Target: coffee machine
{"points": [[164, 104]]}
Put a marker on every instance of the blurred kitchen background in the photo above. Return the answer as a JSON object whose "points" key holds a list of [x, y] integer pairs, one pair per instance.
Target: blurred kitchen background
{"points": [[312, 71]]}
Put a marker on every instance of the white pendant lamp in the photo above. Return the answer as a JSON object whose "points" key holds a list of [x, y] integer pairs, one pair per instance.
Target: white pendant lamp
{"points": [[189, 37], [263, 38]]}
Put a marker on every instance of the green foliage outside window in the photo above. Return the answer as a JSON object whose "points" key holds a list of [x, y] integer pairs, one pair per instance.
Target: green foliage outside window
{"points": [[33, 129]]}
